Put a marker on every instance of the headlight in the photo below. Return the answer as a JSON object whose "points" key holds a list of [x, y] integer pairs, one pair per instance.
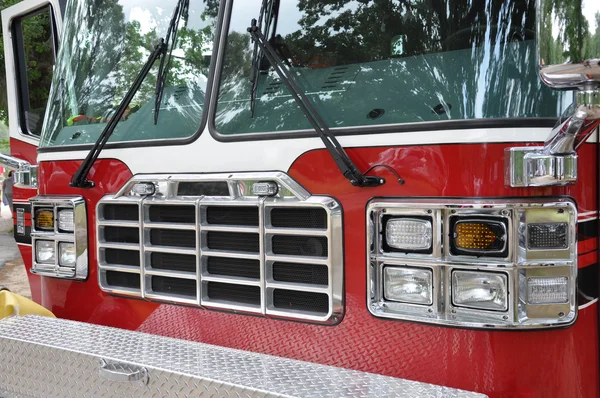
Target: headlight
{"points": [[480, 290], [489, 263], [66, 253], [44, 251], [408, 285], [59, 237]]}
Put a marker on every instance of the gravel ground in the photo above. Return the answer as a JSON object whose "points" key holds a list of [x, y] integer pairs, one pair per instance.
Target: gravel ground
{"points": [[12, 270]]}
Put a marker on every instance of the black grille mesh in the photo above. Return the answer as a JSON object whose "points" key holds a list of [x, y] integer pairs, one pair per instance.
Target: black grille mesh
{"points": [[301, 301], [122, 257], [172, 214], [232, 215], [311, 246], [121, 235], [293, 217], [175, 262], [234, 293], [244, 268], [173, 237], [122, 279], [233, 241], [315, 274], [203, 189], [122, 212], [184, 287]]}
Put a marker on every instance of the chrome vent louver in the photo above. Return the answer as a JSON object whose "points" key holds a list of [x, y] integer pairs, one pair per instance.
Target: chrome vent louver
{"points": [[206, 240]]}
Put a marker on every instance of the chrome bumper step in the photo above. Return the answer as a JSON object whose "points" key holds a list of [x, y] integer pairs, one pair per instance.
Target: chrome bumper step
{"points": [[41, 356]]}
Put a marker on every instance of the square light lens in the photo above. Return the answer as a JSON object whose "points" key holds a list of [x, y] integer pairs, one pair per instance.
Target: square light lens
{"points": [[66, 221], [548, 290], [548, 235], [44, 219], [408, 285], [408, 234], [480, 290], [44, 251], [66, 254]]}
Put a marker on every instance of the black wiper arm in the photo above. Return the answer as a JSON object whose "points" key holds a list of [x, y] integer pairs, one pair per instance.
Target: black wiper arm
{"points": [[165, 62], [339, 155], [79, 179]]}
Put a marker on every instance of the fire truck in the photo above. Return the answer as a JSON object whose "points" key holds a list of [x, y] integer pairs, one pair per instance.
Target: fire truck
{"points": [[304, 198]]}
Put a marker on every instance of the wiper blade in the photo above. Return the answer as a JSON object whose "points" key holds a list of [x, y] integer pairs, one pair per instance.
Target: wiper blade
{"points": [[79, 179], [165, 62], [339, 155]]}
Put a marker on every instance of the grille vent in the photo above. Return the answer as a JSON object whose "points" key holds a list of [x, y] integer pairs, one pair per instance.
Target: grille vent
{"points": [[262, 256]]}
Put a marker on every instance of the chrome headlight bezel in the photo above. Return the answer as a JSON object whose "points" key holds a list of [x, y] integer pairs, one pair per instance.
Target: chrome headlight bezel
{"points": [[516, 263], [78, 237]]}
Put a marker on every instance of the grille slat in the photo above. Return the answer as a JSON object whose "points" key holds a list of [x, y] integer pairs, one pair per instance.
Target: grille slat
{"points": [[232, 215], [300, 301], [172, 214], [233, 241], [215, 244], [244, 268], [310, 246], [170, 237], [243, 294]]}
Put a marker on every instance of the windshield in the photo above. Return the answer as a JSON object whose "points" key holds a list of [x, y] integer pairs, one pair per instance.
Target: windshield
{"points": [[105, 45], [382, 62]]}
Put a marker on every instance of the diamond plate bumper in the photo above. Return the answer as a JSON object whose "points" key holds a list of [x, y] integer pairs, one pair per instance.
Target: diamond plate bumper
{"points": [[42, 356]]}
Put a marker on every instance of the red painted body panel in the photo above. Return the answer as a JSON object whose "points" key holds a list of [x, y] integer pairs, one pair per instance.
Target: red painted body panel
{"points": [[551, 363]]}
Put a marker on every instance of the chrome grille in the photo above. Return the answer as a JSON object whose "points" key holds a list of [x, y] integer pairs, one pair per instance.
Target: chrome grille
{"points": [[277, 256]]}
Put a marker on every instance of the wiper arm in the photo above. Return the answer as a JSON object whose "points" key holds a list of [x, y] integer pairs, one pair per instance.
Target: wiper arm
{"points": [[165, 62], [339, 155], [79, 179]]}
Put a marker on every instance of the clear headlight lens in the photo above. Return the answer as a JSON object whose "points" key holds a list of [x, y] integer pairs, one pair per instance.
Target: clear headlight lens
{"points": [[408, 234], [66, 252], [66, 221], [44, 251], [409, 285], [480, 290]]}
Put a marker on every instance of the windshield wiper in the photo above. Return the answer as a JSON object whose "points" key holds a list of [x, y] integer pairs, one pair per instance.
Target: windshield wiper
{"points": [[165, 62], [339, 155], [79, 179]]}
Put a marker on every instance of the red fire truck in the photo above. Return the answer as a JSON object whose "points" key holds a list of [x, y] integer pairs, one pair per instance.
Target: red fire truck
{"points": [[305, 198]]}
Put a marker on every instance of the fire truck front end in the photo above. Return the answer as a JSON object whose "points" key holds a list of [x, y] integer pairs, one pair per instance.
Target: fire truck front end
{"points": [[279, 198]]}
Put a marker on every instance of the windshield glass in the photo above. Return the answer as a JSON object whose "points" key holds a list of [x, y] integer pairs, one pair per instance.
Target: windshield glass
{"points": [[382, 62], [105, 45]]}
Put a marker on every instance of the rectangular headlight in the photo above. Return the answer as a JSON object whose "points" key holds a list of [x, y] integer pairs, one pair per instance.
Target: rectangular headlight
{"points": [[480, 290], [408, 285], [44, 251], [409, 234], [66, 254]]}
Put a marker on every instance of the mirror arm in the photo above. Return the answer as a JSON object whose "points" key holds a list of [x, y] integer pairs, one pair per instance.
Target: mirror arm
{"points": [[25, 175]]}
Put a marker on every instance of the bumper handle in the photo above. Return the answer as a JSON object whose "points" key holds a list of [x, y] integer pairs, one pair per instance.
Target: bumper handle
{"points": [[122, 371]]}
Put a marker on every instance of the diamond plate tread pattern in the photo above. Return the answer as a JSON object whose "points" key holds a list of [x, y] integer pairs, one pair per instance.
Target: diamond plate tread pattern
{"points": [[50, 357]]}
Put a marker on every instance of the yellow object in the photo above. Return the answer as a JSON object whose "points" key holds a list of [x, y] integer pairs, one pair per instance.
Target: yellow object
{"points": [[44, 219], [13, 304], [474, 236]]}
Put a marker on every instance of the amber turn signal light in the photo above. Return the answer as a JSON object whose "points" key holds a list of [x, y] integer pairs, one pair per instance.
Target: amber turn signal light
{"points": [[44, 219], [479, 236]]}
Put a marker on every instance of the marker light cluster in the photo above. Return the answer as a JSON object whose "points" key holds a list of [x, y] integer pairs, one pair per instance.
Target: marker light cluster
{"points": [[473, 263], [59, 237]]}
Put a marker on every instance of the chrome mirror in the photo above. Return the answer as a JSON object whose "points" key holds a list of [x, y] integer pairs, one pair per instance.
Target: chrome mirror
{"points": [[568, 49], [568, 37], [25, 175]]}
